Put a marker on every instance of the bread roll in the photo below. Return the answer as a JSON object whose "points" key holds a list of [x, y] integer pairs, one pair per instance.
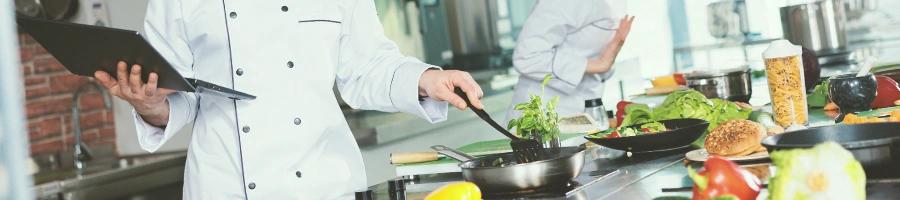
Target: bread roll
{"points": [[738, 137]]}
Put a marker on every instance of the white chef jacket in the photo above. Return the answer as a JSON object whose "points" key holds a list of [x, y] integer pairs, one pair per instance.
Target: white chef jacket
{"points": [[558, 38], [292, 141]]}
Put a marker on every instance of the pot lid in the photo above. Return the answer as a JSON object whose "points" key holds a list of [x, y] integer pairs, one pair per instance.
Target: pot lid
{"points": [[718, 73]]}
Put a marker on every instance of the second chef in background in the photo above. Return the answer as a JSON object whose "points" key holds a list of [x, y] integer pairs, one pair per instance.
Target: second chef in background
{"points": [[577, 42]]}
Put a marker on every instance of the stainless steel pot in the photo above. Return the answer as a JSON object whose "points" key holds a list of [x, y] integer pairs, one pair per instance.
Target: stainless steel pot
{"points": [[818, 26], [730, 84], [499, 173]]}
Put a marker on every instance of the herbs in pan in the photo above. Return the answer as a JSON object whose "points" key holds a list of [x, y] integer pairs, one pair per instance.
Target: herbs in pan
{"points": [[536, 117]]}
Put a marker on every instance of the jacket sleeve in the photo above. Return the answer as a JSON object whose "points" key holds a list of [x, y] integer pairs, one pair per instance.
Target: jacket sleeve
{"points": [[164, 29], [371, 72], [536, 54]]}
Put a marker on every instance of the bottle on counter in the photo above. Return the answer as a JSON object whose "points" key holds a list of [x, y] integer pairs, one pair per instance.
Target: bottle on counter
{"points": [[595, 109], [787, 88]]}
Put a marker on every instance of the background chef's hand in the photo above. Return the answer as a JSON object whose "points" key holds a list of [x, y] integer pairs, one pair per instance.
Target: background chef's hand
{"points": [[624, 28], [439, 85], [147, 99]]}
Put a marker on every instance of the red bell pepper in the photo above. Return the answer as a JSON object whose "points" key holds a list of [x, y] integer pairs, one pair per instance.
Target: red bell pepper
{"points": [[721, 177], [620, 111], [888, 92]]}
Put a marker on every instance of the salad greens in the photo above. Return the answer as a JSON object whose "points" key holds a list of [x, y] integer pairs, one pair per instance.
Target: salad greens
{"points": [[536, 117], [625, 131], [689, 104], [826, 171], [637, 114], [819, 97]]}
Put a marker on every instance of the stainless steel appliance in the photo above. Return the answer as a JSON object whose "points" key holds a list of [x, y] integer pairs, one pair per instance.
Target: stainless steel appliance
{"points": [[729, 84], [728, 19], [856, 8], [818, 26], [474, 36]]}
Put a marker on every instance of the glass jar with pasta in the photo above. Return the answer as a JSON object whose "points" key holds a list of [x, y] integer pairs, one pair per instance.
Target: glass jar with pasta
{"points": [[784, 72]]}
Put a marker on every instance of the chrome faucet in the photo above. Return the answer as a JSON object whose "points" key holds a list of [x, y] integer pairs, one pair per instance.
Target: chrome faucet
{"points": [[82, 152]]}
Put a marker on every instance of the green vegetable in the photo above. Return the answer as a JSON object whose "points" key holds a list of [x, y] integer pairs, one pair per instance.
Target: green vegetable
{"points": [[689, 104], [762, 117], [536, 116], [637, 114], [826, 171], [654, 126], [758, 73], [819, 97]]}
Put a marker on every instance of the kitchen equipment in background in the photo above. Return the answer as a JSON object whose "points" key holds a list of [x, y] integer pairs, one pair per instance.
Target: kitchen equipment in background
{"points": [[474, 34], [435, 32], [30, 8], [525, 150], [501, 173], [60, 9], [729, 84], [851, 93], [818, 26], [876, 146], [728, 19], [683, 133], [597, 111], [787, 89], [856, 8]]}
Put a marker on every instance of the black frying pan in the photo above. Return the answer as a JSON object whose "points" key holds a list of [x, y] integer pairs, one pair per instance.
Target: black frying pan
{"points": [[876, 146], [683, 133]]}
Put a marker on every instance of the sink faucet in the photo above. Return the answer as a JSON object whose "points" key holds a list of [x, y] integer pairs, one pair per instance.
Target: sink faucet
{"points": [[82, 153]]}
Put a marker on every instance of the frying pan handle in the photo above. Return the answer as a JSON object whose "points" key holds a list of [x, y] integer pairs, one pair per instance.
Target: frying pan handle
{"points": [[484, 116], [452, 153]]}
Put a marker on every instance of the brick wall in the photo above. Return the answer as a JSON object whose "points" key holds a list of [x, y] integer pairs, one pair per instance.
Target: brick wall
{"points": [[49, 89]]}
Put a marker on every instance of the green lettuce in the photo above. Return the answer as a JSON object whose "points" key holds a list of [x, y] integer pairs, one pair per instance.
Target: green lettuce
{"points": [[819, 97], [826, 171], [683, 104], [637, 114]]}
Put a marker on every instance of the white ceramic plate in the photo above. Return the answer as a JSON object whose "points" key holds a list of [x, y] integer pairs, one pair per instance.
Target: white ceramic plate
{"points": [[701, 155]]}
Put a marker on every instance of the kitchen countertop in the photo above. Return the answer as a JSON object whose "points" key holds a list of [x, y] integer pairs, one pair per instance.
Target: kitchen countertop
{"points": [[640, 176]]}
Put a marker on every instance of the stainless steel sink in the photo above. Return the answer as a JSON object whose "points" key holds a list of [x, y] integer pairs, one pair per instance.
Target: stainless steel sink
{"points": [[113, 178]]}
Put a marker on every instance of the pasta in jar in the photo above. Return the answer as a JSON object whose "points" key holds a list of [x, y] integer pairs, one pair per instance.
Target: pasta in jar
{"points": [[786, 88]]}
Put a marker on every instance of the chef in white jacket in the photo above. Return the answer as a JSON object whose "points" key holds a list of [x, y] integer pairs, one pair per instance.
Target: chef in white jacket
{"points": [[292, 141], [575, 40]]}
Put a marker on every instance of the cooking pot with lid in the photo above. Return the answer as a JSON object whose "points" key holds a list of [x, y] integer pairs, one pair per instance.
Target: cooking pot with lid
{"points": [[728, 84]]}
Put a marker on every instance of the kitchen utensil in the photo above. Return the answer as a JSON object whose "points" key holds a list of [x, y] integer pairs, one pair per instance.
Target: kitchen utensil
{"points": [[414, 157], [818, 25], [866, 66], [683, 133], [787, 86], [526, 150], [595, 109], [728, 18], [876, 146], [60, 9], [728, 84], [700, 155], [852, 94], [502, 173]]}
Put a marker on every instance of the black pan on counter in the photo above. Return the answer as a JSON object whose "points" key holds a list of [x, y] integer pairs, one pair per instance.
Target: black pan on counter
{"points": [[683, 133], [876, 146]]}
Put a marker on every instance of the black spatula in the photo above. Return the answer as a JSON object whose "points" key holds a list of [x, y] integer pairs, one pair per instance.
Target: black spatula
{"points": [[526, 150]]}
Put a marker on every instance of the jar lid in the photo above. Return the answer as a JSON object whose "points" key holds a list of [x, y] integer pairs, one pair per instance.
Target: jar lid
{"points": [[718, 73], [593, 103], [781, 48]]}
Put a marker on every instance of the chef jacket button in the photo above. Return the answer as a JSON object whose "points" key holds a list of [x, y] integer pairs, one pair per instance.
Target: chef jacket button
{"points": [[239, 72], [284, 8], [233, 15], [251, 185], [299, 174], [246, 129], [296, 121], [290, 64]]}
